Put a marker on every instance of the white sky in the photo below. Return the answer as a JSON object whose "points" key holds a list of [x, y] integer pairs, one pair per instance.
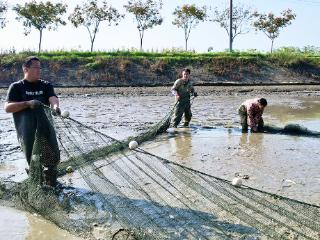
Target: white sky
{"points": [[304, 30]]}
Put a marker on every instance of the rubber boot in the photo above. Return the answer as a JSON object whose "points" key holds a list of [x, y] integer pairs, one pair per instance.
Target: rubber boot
{"points": [[50, 175], [186, 124]]}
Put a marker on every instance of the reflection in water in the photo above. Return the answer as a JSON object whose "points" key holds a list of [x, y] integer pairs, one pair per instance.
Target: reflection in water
{"points": [[268, 159], [251, 140], [252, 146], [40, 229], [182, 146], [296, 110], [7, 167], [16, 225], [13, 224]]}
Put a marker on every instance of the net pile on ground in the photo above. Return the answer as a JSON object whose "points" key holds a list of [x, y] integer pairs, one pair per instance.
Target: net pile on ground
{"points": [[293, 130], [119, 192]]}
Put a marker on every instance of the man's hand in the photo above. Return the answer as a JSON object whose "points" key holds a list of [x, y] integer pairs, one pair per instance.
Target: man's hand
{"points": [[56, 111], [195, 94], [34, 104]]}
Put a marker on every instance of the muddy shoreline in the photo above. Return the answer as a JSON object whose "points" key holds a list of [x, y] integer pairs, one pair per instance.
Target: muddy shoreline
{"points": [[202, 90], [283, 165]]}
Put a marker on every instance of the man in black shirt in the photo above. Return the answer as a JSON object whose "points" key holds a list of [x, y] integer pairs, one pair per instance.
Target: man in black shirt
{"points": [[24, 99]]}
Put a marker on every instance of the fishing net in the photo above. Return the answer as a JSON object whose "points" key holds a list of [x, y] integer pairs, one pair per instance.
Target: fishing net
{"points": [[117, 193], [37, 136], [291, 129]]}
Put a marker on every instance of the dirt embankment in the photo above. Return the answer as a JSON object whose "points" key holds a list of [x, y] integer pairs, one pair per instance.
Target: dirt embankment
{"points": [[122, 71]]}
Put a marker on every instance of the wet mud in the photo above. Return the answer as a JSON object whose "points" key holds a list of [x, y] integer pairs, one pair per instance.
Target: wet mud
{"points": [[278, 163], [15, 224]]}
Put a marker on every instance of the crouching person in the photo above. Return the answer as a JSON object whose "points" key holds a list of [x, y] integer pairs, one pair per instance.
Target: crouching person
{"points": [[250, 113]]}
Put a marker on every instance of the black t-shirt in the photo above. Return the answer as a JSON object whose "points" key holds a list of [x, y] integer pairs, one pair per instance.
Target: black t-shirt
{"points": [[24, 90], [29, 122]]}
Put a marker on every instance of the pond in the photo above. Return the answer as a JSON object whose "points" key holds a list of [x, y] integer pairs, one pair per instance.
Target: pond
{"points": [[281, 164]]}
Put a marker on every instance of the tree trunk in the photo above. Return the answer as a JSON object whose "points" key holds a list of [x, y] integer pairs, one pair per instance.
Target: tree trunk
{"points": [[186, 44], [92, 41], [272, 45], [141, 35], [91, 49], [231, 45], [92, 38], [40, 41], [231, 24]]}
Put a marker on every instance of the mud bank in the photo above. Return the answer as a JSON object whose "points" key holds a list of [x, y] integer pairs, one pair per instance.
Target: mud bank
{"points": [[160, 70]]}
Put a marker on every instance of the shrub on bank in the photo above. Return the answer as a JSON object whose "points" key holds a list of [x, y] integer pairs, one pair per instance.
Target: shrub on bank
{"points": [[164, 66]]}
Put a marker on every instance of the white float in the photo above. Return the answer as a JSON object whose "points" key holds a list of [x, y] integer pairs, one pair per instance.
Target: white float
{"points": [[170, 130], [237, 182], [133, 145], [65, 114], [69, 169]]}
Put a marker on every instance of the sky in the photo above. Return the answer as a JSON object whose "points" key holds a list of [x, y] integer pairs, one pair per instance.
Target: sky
{"points": [[303, 31]]}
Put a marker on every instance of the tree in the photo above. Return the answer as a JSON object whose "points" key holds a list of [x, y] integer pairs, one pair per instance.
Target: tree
{"points": [[188, 17], [147, 15], [241, 20], [40, 16], [3, 10], [90, 15], [271, 25]]}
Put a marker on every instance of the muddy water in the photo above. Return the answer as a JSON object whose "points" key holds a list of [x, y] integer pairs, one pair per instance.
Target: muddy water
{"points": [[18, 225], [286, 165], [281, 164], [290, 169]]}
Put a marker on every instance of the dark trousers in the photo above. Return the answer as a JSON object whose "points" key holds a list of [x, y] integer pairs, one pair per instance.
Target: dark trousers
{"points": [[38, 140], [182, 108], [244, 119]]}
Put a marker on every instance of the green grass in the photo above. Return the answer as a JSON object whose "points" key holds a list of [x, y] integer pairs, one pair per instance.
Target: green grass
{"points": [[286, 57]]}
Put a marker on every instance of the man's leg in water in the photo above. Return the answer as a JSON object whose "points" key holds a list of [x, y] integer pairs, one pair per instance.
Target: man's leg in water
{"points": [[243, 118]]}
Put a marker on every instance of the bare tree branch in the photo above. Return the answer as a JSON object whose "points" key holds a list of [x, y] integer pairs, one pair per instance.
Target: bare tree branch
{"points": [[147, 15], [188, 17], [270, 25], [90, 15]]}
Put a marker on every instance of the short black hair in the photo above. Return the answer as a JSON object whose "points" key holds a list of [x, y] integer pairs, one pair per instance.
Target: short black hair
{"points": [[28, 61], [186, 70], [263, 101]]}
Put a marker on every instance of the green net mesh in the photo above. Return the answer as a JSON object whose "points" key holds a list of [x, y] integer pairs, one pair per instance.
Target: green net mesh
{"points": [[292, 129], [132, 194]]}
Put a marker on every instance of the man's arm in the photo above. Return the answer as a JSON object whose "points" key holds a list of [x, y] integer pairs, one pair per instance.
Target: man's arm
{"points": [[191, 88], [14, 103], [251, 117], [13, 107], [193, 91], [175, 88], [176, 85], [54, 103]]}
